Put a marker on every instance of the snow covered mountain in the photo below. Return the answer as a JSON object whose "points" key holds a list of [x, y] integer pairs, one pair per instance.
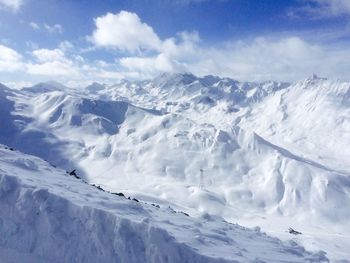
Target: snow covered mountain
{"points": [[268, 154], [49, 216], [311, 117]]}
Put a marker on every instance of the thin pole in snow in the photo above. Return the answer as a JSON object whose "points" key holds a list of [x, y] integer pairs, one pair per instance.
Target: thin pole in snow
{"points": [[201, 179]]}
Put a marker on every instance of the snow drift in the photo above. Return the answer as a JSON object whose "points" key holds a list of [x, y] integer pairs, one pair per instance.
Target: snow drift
{"points": [[269, 154], [47, 216]]}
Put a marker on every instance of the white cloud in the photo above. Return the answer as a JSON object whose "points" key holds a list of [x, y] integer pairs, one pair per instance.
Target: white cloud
{"points": [[18, 84], [34, 25], [112, 75], [48, 55], [317, 9], [13, 5], [172, 56], [53, 29], [66, 45], [60, 63], [285, 59], [150, 66], [124, 31], [57, 28], [183, 46], [280, 58], [10, 60], [53, 68], [333, 7], [52, 62]]}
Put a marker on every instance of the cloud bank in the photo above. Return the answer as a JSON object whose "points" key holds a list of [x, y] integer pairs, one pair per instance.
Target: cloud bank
{"points": [[321, 9], [137, 51], [13, 5], [280, 58], [10, 60], [124, 31]]}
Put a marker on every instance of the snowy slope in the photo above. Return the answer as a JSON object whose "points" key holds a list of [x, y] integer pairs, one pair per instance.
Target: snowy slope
{"points": [[312, 117], [49, 216], [253, 153]]}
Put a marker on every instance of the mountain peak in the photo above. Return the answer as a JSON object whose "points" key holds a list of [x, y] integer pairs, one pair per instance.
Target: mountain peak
{"points": [[2, 86], [95, 86], [46, 86], [314, 77], [175, 78]]}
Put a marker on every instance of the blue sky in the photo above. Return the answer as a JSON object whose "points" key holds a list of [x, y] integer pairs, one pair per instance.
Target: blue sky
{"points": [[80, 41]]}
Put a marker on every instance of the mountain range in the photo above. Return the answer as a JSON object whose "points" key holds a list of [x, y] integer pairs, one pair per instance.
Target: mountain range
{"points": [[270, 154]]}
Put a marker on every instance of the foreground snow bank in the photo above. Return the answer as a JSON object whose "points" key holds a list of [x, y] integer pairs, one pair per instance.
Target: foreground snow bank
{"points": [[52, 228], [47, 216]]}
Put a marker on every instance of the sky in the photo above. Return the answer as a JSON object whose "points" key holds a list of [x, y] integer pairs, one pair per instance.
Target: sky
{"points": [[80, 41]]}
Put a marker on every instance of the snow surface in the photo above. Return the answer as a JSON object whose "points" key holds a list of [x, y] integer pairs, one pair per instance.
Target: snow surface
{"points": [[49, 216], [268, 154]]}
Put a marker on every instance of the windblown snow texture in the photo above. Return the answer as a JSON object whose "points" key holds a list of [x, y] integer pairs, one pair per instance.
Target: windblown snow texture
{"points": [[268, 154], [49, 216]]}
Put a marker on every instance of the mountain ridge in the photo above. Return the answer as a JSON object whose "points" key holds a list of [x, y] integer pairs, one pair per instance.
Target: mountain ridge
{"points": [[249, 152]]}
